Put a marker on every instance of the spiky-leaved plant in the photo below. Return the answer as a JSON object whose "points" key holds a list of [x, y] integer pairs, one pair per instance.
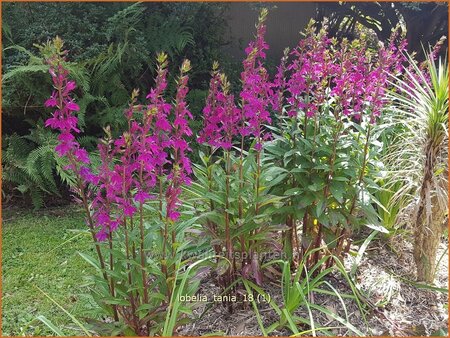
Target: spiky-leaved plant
{"points": [[418, 157]]}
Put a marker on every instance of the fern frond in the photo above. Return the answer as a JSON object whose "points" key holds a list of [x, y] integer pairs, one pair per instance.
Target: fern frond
{"points": [[33, 59], [80, 74], [37, 198], [23, 70], [88, 141]]}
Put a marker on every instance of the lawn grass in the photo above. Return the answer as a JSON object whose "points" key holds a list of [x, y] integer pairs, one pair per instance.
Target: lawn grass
{"points": [[40, 249]]}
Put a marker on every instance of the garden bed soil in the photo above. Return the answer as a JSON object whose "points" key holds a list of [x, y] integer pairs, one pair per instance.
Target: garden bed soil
{"points": [[386, 278]]}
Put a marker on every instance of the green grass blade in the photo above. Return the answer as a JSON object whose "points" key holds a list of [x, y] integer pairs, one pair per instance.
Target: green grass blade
{"points": [[326, 292], [439, 261], [65, 242], [50, 325], [317, 329], [266, 296], [355, 290], [215, 334], [340, 298], [81, 326], [258, 316], [291, 323], [311, 318], [337, 318], [424, 286], [90, 260], [361, 251]]}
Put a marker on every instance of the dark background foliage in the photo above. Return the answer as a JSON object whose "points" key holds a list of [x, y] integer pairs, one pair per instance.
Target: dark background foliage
{"points": [[423, 23]]}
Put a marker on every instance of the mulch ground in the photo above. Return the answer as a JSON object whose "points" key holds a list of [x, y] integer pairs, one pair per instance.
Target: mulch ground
{"points": [[386, 278]]}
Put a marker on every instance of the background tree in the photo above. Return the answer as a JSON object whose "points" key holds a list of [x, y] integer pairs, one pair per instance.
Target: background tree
{"points": [[423, 23]]}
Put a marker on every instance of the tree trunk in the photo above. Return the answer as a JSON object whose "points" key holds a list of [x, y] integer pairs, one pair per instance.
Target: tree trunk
{"points": [[427, 239], [429, 223]]}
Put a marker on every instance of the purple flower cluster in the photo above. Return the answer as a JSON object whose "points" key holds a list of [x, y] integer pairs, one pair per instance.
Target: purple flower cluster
{"points": [[256, 91], [106, 215], [222, 119], [279, 83], [117, 179], [132, 164], [310, 70], [181, 163], [221, 116], [64, 121], [355, 81]]}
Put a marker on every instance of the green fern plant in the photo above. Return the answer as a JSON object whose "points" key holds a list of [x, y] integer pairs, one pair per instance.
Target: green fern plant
{"points": [[169, 35], [31, 166]]}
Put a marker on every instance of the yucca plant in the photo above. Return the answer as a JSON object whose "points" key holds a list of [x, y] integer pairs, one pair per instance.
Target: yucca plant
{"points": [[418, 157]]}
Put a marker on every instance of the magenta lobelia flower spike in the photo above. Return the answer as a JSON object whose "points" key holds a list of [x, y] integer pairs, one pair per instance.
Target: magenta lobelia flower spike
{"points": [[210, 133], [221, 116], [181, 168], [311, 70], [106, 215], [256, 89], [159, 110], [64, 120]]}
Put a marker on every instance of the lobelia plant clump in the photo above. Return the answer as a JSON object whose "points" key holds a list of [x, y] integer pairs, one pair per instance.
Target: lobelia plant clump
{"points": [[221, 125], [147, 163], [325, 149], [230, 185], [256, 99]]}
